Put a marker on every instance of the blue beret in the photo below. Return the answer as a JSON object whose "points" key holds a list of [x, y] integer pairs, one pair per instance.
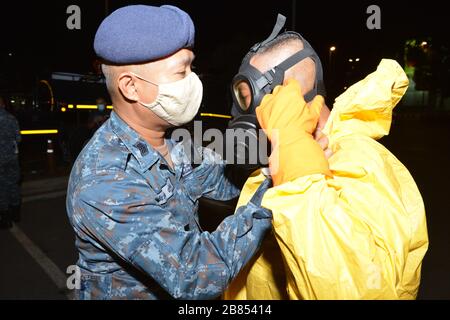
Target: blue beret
{"points": [[140, 33]]}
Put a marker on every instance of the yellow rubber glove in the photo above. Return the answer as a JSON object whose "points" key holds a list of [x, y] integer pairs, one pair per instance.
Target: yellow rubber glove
{"points": [[289, 123]]}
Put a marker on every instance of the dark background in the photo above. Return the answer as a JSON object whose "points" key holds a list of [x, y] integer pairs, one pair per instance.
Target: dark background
{"points": [[34, 42]]}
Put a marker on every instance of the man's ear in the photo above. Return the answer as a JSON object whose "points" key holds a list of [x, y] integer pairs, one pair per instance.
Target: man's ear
{"points": [[127, 86]]}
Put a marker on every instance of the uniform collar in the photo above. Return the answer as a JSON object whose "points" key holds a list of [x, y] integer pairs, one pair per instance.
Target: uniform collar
{"points": [[141, 149]]}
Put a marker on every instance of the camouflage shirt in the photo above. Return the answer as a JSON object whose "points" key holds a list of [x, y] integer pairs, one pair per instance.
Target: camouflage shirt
{"points": [[9, 136], [136, 222]]}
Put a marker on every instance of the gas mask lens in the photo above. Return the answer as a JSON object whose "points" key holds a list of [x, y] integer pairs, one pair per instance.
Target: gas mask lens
{"points": [[243, 94]]}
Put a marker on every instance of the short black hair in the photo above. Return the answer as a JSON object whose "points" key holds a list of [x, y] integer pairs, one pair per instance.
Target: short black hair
{"points": [[280, 41]]}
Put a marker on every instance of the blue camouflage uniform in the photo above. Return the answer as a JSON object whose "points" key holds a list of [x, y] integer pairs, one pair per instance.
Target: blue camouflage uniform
{"points": [[9, 163], [136, 221]]}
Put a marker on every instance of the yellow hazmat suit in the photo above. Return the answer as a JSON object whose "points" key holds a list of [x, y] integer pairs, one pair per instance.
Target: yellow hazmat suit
{"points": [[359, 235]]}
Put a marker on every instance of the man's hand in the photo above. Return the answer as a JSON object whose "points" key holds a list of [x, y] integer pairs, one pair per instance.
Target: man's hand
{"points": [[289, 122], [322, 139]]}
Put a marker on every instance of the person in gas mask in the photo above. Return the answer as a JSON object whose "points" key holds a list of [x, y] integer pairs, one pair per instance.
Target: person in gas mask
{"points": [[352, 227], [133, 194], [266, 65]]}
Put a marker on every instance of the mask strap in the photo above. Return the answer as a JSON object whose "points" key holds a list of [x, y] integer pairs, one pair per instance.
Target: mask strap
{"points": [[319, 87], [295, 58], [143, 79], [281, 20], [310, 95], [274, 74]]}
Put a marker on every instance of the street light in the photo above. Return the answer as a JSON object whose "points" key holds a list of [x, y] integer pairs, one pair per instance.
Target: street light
{"points": [[332, 49], [330, 62]]}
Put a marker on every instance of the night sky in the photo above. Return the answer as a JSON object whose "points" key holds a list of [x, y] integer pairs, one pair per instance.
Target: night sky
{"points": [[35, 32]]}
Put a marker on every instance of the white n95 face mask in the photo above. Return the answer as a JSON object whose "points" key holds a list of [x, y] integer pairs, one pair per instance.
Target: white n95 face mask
{"points": [[177, 102]]}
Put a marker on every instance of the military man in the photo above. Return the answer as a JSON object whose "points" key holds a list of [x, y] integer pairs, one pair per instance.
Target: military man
{"points": [[133, 194], [9, 168]]}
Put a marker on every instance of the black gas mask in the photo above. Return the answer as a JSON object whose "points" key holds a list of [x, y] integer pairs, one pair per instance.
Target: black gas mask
{"points": [[249, 87]]}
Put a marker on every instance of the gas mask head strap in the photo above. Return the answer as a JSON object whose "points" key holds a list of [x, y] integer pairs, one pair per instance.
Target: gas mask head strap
{"points": [[296, 58], [281, 20], [276, 74], [276, 30]]}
